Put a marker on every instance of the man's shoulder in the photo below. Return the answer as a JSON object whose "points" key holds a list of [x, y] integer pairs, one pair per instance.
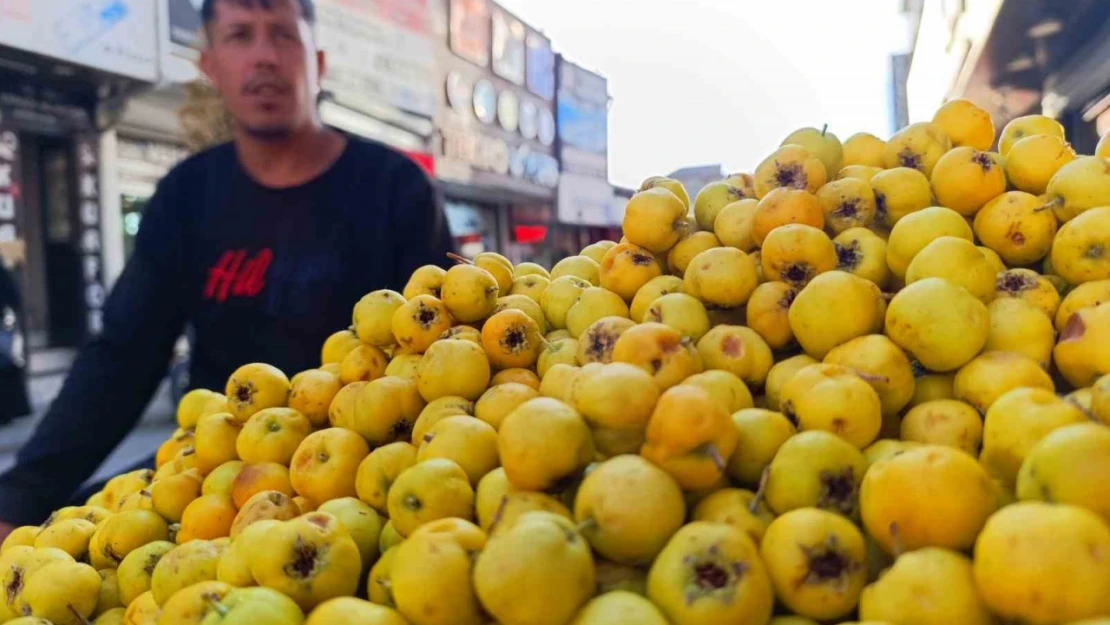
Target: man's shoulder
{"points": [[369, 156], [200, 164]]}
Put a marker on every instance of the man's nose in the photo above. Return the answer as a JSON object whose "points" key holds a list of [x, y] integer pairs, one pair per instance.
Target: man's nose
{"points": [[264, 52]]}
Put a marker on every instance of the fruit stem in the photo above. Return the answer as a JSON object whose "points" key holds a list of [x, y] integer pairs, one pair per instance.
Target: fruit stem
{"points": [[587, 525], [896, 545], [710, 449], [824, 129], [459, 259], [80, 618], [1056, 202], [759, 492]]}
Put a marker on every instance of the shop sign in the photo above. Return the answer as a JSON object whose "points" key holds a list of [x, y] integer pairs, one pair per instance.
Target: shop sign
{"points": [[586, 200], [379, 53], [469, 30], [508, 47], [89, 242], [493, 154], [117, 36], [164, 155], [9, 184], [540, 66]]}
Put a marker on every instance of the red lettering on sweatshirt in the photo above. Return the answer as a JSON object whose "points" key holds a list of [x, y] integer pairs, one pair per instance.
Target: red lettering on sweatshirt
{"points": [[236, 275]]}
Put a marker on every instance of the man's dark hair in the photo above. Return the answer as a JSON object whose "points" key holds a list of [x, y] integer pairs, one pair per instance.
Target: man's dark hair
{"points": [[208, 8]]}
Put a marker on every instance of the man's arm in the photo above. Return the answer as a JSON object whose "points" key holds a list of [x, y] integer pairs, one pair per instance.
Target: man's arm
{"points": [[416, 208], [113, 378]]}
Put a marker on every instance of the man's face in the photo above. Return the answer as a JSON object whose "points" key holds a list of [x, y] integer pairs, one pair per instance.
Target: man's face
{"points": [[264, 63]]}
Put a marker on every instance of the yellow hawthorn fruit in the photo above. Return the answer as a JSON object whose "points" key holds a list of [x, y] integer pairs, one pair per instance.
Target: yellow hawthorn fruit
{"points": [[372, 317], [862, 253], [822, 550], [1017, 227], [619, 607], [595, 303], [1019, 327], [337, 346], [1068, 466], [426, 280], [628, 508], [738, 350], [497, 402], [1042, 563], [597, 342], [859, 172], [559, 296], [711, 573], [792, 167], [402, 366], [900, 192], [581, 267], [1079, 355], [883, 365], [784, 206], [617, 395], [926, 496], [917, 230], [530, 269], [669, 184], [525, 305], [171, 495], [198, 403], [265, 505], [992, 374], [1079, 186], [470, 442], [847, 203], [690, 436], [378, 470], [681, 312], [500, 267], [363, 364], [834, 399], [455, 368], [654, 219], [559, 351], [711, 199], [520, 376], [254, 387], [532, 286], [863, 149], [929, 585], [326, 464], [542, 442], [312, 393], [834, 308], [761, 433], [721, 277], [736, 507], [250, 479], [1026, 126], [384, 410], [744, 182], [947, 422], [687, 248], [1030, 287], [816, 469], [651, 291], [1032, 161], [626, 268], [958, 262], [917, 146], [659, 350], [1016, 422], [1081, 249], [272, 435], [964, 179], [821, 143], [419, 322], [733, 225], [797, 253], [725, 388], [938, 323], [1086, 295], [430, 576], [965, 124], [437, 488], [767, 313]]}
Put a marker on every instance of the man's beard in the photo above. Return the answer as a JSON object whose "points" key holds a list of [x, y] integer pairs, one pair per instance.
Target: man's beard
{"points": [[266, 133]]}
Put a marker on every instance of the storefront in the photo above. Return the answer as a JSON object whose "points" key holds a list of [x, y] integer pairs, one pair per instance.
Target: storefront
{"points": [[64, 74], [586, 207], [495, 133]]}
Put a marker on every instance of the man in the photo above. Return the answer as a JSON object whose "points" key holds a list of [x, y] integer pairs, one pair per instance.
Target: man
{"points": [[262, 246]]}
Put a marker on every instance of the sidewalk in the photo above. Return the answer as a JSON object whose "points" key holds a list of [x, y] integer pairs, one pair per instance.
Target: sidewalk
{"points": [[156, 425]]}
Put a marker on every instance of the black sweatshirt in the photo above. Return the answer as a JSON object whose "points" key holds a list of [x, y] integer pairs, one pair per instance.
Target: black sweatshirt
{"points": [[260, 274]]}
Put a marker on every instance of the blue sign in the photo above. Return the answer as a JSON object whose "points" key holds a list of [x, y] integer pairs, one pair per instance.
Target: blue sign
{"points": [[540, 67], [582, 124]]}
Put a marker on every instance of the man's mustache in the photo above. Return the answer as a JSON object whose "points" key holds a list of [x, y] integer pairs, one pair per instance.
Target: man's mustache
{"points": [[256, 84]]}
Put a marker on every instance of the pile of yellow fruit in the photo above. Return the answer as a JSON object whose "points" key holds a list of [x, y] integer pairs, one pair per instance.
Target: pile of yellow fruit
{"points": [[868, 381]]}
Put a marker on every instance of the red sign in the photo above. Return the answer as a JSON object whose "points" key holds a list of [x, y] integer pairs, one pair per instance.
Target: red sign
{"points": [[426, 161], [529, 234]]}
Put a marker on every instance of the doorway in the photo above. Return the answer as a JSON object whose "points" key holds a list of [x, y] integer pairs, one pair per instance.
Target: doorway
{"points": [[52, 276]]}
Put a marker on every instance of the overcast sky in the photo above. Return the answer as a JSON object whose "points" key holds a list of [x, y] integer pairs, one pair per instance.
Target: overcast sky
{"points": [[724, 81]]}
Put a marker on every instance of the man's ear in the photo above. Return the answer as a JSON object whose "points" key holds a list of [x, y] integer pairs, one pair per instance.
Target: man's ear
{"points": [[206, 65]]}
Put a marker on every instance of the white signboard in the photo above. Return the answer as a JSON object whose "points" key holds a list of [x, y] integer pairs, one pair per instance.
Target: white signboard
{"points": [[587, 201], [117, 36], [379, 53]]}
